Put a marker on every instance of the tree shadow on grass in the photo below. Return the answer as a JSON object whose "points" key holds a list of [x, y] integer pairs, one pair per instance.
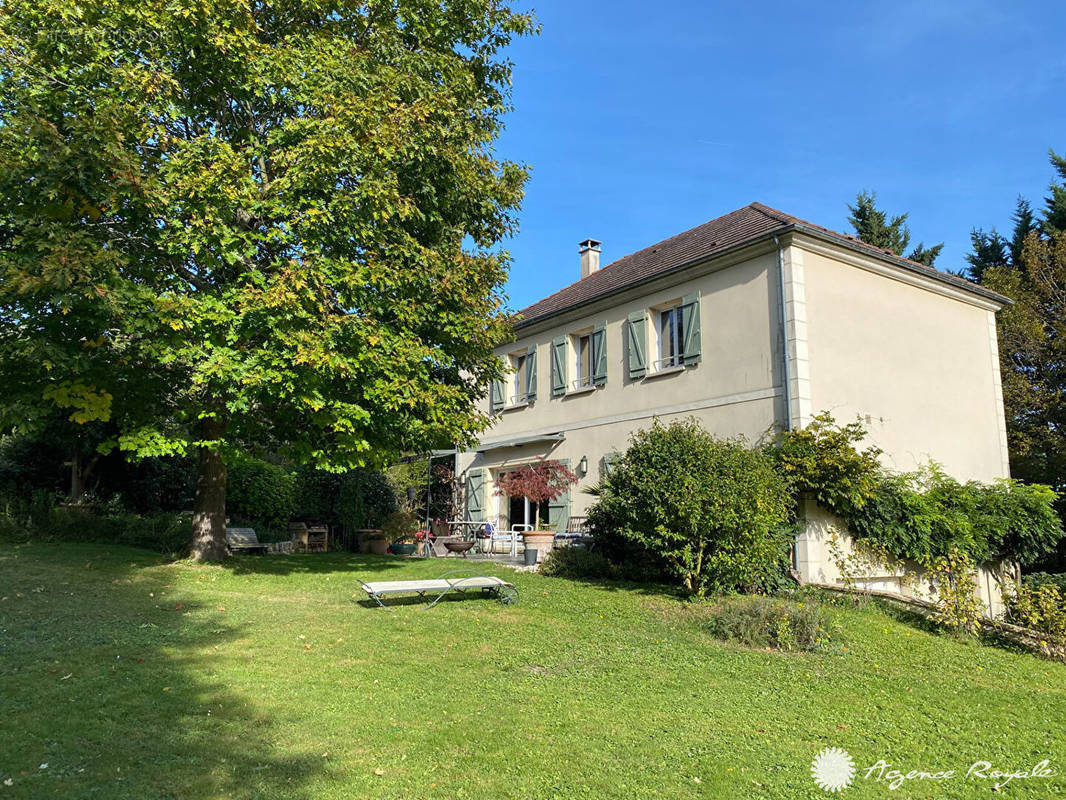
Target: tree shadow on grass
{"points": [[313, 564], [648, 589], [110, 692]]}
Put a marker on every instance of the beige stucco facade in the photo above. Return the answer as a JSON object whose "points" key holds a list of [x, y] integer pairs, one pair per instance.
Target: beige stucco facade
{"points": [[734, 390], [914, 357]]}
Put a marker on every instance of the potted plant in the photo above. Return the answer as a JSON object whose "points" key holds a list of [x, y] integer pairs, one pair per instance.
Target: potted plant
{"points": [[399, 529], [377, 543], [542, 539], [542, 481]]}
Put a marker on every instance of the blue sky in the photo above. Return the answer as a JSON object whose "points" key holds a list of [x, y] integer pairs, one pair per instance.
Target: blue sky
{"points": [[640, 120]]}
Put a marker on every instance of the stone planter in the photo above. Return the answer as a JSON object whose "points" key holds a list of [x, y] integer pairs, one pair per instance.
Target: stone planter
{"points": [[403, 548], [363, 535], [541, 541], [379, 547]]}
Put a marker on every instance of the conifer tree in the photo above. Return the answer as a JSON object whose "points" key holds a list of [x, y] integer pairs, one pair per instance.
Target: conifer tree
{"points": [[875, 227]]}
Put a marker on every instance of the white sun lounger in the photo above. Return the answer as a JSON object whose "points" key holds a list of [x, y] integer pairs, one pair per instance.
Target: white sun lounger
{"points": [[503, 591]]}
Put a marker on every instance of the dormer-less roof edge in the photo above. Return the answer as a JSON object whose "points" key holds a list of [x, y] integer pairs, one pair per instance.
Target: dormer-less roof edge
{"points": [[735, 226]]}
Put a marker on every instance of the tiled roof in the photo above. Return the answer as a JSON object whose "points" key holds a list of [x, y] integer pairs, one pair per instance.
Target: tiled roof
{"points": [[736, 228]]}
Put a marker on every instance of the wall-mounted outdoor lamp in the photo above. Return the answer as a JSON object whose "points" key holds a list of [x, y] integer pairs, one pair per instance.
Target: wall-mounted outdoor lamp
{"points": [[583, 466]]}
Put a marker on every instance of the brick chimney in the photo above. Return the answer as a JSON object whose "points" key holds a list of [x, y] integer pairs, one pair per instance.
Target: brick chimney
{"points": [[590, 257]]}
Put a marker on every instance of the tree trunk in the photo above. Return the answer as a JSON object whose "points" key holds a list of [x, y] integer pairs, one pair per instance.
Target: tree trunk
{"points": [[209, 513], [77, 488]]}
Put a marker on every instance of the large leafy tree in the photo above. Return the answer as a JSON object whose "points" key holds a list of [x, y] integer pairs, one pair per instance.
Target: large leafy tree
{"points": [[227, 223], [1032, 340], [875, 227], [1031, 270]]}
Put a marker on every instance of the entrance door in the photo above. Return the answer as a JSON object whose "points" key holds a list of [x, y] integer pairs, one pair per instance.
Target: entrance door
{"points": [[523, 512]]}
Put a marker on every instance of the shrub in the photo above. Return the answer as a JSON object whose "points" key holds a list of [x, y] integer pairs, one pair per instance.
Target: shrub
{"points": [[769, 622], [1041, 607], [400, 526], [822, 460], [576, 562], [711, 509], [361, 498], [955, 604], [926, 515], [42, 519], [923, 515], [1038, 579], [259, 493], [365, 499]]}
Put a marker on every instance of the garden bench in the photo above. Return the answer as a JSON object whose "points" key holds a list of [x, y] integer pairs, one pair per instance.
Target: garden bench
{"points": [[244, 540], [503, 591]]}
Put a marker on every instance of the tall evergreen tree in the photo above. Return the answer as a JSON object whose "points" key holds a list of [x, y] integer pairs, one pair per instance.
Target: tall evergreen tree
{"points": [[1025, 222], [875, 227], [991, 249], [1055, 204]]}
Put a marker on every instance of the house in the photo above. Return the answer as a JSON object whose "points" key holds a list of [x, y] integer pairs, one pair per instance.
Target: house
{"points": [[752, 323]]}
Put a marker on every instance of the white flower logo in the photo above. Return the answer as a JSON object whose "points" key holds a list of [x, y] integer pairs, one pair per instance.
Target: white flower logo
{"points": [[833, 769]]}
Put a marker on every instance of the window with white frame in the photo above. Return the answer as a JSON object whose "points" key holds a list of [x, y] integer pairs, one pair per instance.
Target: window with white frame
{"points": [[583, 356], [670, 337]]}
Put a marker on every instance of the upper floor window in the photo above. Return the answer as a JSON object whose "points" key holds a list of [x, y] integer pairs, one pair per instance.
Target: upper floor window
{"points": [[520, 385], [671, 337], [663, 338], [579, 361], [583, 359], [520, 379]]}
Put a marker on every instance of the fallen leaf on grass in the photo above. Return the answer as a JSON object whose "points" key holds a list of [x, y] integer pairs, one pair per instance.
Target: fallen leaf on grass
{"points": [[221, 608], [178, 607], [379, 771], [71, 675], [8, 781]]}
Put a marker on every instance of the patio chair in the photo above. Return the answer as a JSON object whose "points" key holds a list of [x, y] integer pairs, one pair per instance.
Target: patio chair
{"points": [[510, 537]]}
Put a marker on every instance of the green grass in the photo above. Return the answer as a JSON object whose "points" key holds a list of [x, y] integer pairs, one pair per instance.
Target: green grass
{"points": [[269, 678]]}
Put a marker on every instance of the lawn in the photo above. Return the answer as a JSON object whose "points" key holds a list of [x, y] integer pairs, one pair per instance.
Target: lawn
{"points": [[123, 676]]}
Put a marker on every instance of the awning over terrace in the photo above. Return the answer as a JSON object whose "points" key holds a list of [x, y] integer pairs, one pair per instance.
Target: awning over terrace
{"points": [[521, 440]]}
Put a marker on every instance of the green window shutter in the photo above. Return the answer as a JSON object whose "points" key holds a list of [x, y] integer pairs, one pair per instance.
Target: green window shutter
{"points": [[558, 366], [609, 461], [599, 354], [475, 495], [496, 402], [559, 508], [690, 328], [637, 344], [531, 373]]}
